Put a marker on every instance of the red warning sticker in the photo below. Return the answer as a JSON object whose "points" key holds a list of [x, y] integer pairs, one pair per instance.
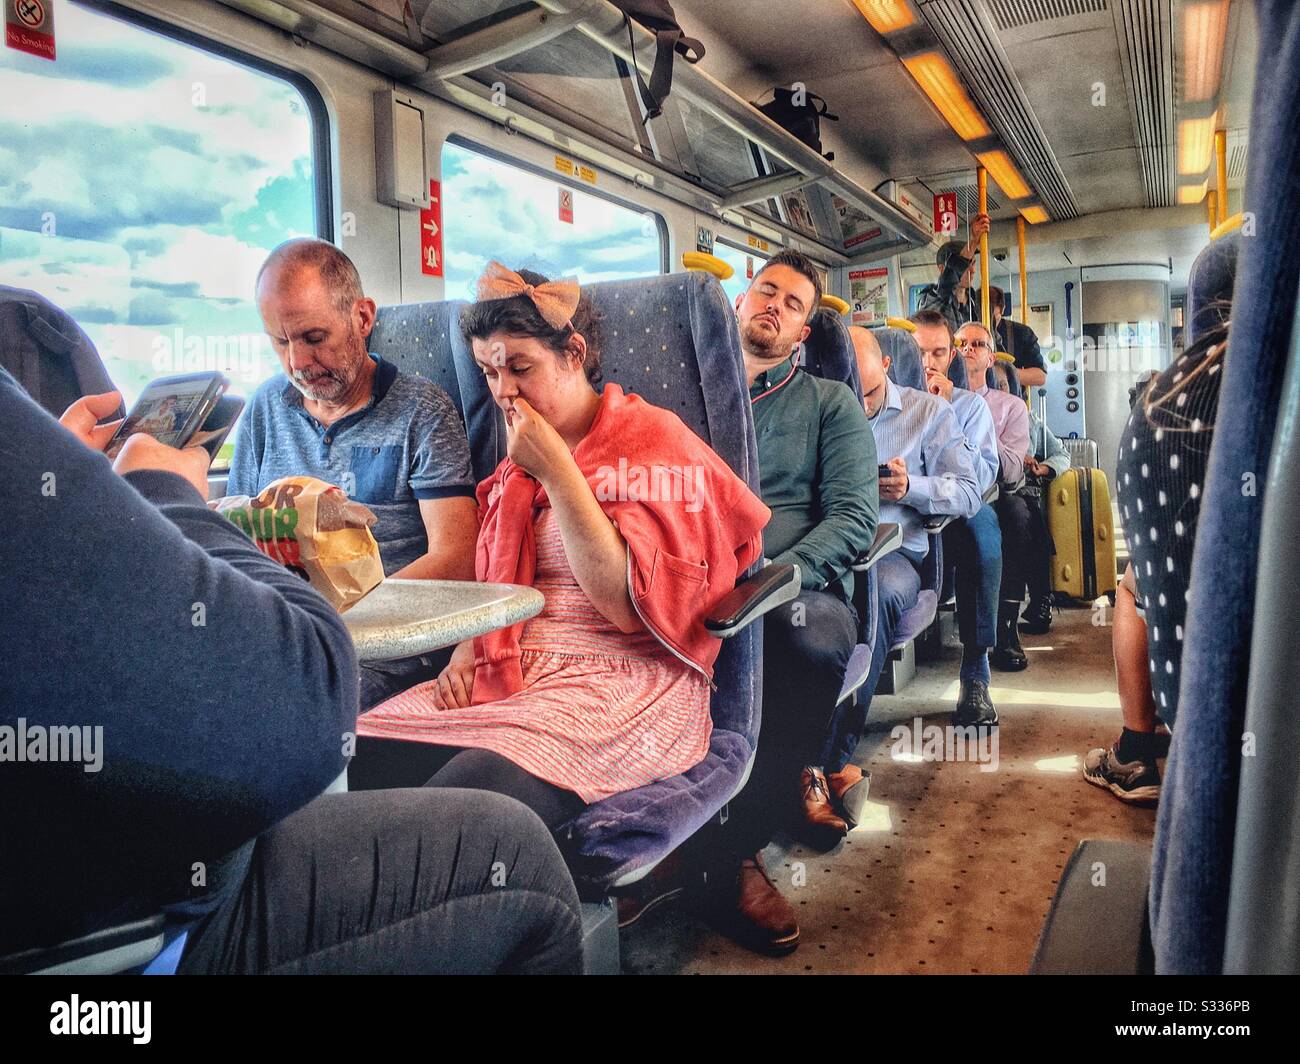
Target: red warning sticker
{"points": [[431, 232], [566, 204], [29, 27]]}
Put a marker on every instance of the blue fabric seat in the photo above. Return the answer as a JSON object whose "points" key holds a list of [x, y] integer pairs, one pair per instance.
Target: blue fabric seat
{"points": [[673, 340], [1196, 824], [905, 368], [1008, 373], [1209, 286], [424, 339]]}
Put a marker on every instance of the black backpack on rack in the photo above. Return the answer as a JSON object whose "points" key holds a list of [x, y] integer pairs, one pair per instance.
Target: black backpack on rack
{"points": [[657, 16], [803, 120]]}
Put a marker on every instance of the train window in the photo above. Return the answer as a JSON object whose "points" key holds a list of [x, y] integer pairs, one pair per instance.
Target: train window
{"points": [[142, 182], [744, 264], [493, 209]]}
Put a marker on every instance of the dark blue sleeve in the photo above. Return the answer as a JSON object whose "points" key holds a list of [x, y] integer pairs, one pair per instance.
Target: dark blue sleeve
{"points": [[223, 684]]}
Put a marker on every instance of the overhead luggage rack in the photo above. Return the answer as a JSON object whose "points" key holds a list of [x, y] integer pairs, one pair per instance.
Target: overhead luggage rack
{"points": [[566, 70]]}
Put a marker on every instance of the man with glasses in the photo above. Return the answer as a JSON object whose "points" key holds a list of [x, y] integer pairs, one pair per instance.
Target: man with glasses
{"points": [[1015, 519]]}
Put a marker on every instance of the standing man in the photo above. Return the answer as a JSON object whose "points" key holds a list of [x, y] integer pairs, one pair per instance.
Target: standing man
{"points": [[390, 440], [951, 296], [1019, 341]]}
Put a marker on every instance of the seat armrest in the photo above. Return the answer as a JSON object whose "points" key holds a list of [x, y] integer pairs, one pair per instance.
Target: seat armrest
{"points": [[771, 586], [889, 537], [1098, 922], [991, 496], [936, 523], [105, 952]]}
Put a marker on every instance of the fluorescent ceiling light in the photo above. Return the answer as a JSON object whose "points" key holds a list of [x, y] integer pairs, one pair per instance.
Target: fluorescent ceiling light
{"points": [[1192, 193], [1205, 25], [886, 16], [1034, 215], [1004, 172], [938, 81], [1195, 144]]}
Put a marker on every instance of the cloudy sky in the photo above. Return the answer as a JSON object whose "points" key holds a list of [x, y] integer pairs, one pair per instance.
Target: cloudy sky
{"points": [[143, 181], [141, 184]]}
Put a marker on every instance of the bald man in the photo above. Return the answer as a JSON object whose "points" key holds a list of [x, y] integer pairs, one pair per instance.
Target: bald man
{"points": [[390, 440], [933, 470]]}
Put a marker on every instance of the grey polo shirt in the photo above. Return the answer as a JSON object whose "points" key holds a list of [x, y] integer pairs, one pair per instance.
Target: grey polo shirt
{"points": [[405, 445]]}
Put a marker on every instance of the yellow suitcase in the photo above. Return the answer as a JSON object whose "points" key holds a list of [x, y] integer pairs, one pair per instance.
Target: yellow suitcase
{"points": [[1083, 533]]}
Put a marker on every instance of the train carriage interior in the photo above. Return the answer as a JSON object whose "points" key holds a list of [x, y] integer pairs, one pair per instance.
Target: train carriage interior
{"points": [[1043, 240]]}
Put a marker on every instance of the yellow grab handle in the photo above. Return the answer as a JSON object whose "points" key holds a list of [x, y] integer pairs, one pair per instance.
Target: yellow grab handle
{"points": [[700, 260], [905, 324], [835, 303]]}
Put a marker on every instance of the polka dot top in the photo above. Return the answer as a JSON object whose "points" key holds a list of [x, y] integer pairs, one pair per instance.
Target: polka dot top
{"points": [[1161, 470]]}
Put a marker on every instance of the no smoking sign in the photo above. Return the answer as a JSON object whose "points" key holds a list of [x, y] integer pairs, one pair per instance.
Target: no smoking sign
{"points": [[29, 27]]}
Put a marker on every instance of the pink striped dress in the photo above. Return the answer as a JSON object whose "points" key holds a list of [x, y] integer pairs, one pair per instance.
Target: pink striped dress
{"points": [[602, 711]]}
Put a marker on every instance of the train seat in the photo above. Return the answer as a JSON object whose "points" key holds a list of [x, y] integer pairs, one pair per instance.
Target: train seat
{"points": [[1209, 285], [425, 339]]}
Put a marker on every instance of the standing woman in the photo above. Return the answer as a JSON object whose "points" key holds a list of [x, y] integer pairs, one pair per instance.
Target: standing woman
{"points": [[631, 527]]}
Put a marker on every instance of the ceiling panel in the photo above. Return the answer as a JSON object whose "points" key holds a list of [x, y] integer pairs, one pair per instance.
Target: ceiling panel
{"points": [[1105, 180]]}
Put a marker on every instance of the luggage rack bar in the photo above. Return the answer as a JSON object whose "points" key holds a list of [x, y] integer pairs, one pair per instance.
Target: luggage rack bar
{"points": [[441, 71]]}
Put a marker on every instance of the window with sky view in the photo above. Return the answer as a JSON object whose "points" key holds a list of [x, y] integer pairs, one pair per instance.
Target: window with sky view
{"points": [[142, 182]]}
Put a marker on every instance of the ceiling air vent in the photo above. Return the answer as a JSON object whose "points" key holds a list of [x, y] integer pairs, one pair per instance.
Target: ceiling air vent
{"points": [[972, 42], [1012, 14], [1145, 41]]}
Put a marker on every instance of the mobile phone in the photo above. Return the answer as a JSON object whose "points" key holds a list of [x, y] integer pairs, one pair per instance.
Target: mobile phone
{"points": [[213, 432], [883, 471], [171, 409]]}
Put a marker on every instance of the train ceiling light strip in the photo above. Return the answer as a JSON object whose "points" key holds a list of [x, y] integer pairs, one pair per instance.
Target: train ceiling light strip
{"points": [[1195, 144], [1205, 28], [937, 79], [1192, 194], [886, 16], [964, 30], [1003, 171]]}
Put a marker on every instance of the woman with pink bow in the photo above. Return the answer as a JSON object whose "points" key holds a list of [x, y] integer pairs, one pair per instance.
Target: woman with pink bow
{"points": [[631, 527]]}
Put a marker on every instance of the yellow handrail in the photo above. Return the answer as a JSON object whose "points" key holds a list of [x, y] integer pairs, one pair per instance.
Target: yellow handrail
{"points": [[700, 260], [982, 180], [1226, 226], [835, 303], [901, 323]]}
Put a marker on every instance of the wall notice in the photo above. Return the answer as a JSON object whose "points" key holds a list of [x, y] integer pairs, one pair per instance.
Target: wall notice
{"points": [[869, 295]]}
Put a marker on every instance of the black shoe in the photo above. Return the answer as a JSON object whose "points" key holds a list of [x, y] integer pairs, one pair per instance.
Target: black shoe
{"points": [[1037, 619], [974, 707], [1008, 656], [1135, 782]]}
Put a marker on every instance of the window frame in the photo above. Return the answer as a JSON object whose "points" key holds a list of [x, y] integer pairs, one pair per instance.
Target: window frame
{"points": [[469, 144], [322, 156]]}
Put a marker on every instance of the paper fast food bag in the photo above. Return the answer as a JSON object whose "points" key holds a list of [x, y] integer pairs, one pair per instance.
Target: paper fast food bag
{"points": [[313, 529]]}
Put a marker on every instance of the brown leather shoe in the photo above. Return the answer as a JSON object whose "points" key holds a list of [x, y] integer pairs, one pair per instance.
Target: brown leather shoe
{"points": [[762, 919], [849, 789], [823, 825]]}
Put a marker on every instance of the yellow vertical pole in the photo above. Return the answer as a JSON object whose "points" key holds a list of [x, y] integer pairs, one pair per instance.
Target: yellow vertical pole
{"points": [[982, 180], [1221, 154], [1210, 209], [1024, 271]]}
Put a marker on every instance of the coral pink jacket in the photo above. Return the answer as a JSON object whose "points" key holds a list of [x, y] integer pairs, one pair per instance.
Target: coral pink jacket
{"points": [[691, 527]]}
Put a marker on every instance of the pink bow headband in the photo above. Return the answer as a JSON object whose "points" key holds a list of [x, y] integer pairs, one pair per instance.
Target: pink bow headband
{"points": [[555, 301]]}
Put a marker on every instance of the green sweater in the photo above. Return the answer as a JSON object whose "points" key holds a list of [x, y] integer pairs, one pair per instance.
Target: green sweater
{"points": [[817, 457]]}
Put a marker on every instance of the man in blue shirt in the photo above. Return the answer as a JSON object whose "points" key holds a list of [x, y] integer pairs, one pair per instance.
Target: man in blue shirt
{"points": [[975, 544], [391, 441], [934, 470]]}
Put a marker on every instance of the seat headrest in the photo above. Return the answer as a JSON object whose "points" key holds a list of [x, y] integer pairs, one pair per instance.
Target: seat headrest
{"points": [[957, 372], [828, 351], [904, 357], [1002, 372], [1211, 281]]}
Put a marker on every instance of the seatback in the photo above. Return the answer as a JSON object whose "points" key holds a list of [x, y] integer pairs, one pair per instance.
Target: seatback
{"points": [[1196, 823], [957, 372], [1007, 372], [905, 368], [424, 339], [828, 351], [673, 340], [1209, 284], [47, 352]]}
